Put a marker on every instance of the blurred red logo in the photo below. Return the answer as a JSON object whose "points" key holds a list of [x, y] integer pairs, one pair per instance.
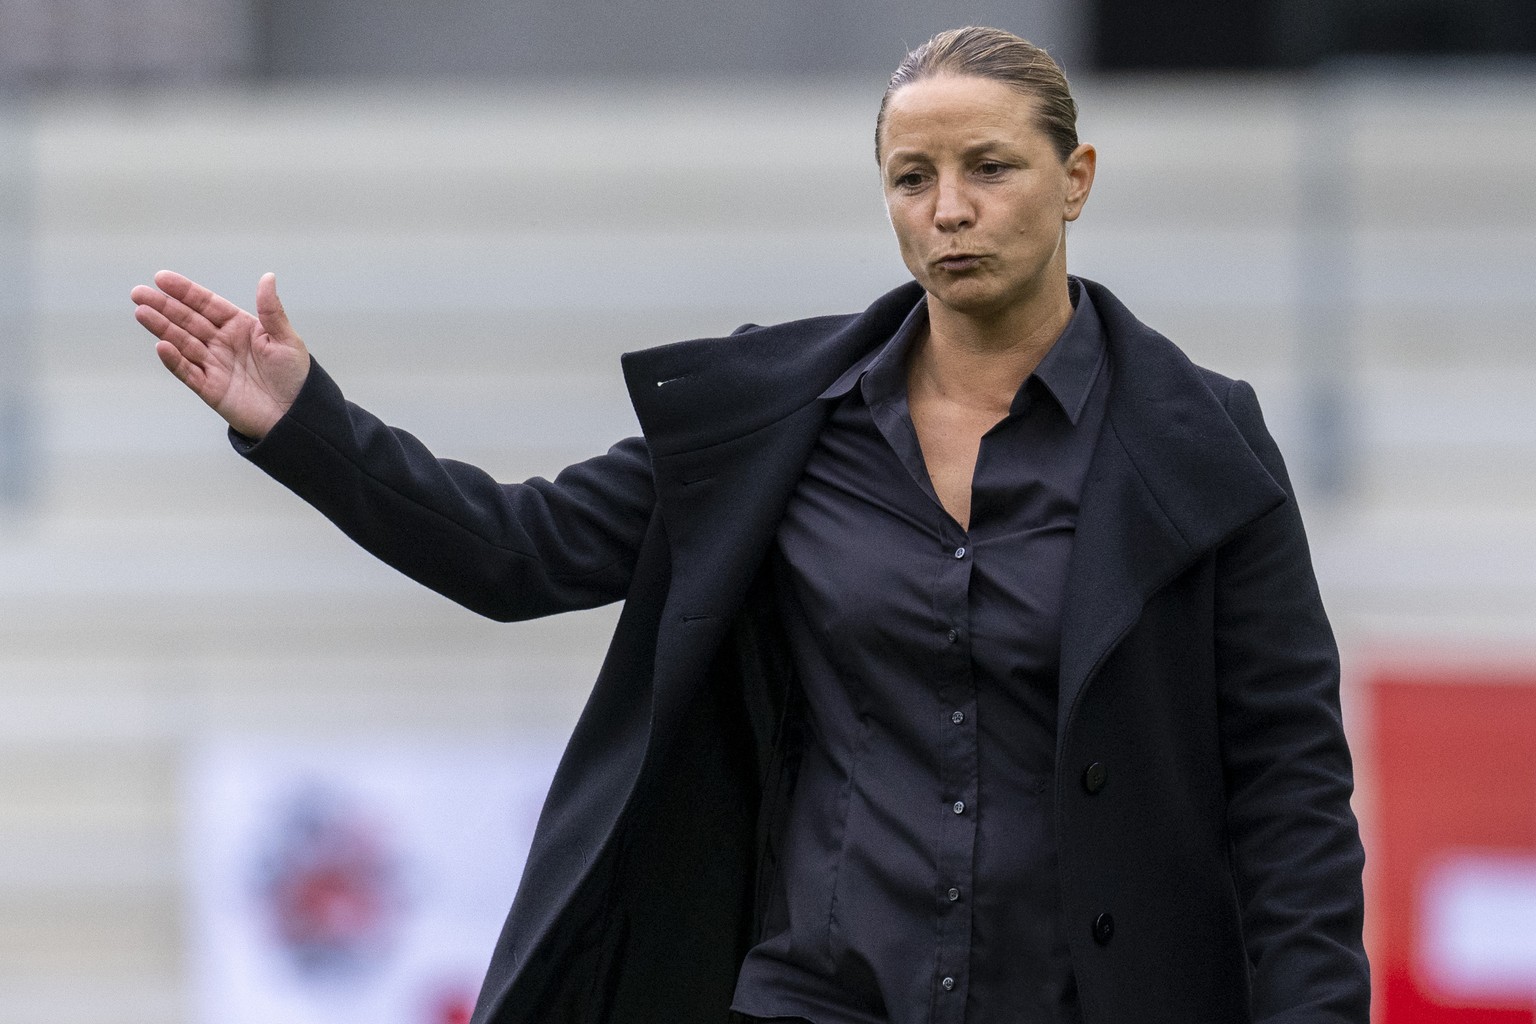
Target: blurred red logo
{"points": [[330, 887], [1453, 853]]}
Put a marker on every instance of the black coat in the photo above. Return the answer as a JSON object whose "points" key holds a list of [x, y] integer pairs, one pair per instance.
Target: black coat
{"points": [[1210, 866]]}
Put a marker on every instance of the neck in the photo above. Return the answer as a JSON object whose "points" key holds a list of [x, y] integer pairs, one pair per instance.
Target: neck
{"points": [[982, 361]]}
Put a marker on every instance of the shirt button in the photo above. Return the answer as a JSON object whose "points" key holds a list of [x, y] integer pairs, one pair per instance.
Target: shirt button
{"points": [[952, 635], [953, 894], [959, 806], [949, 984], [957, 717], [959, 552]]}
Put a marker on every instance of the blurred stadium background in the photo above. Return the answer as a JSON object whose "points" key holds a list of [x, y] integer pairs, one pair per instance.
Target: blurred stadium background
{"points": [[473, 208]]}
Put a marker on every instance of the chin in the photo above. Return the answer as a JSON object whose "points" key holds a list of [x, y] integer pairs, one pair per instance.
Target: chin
{"points": [[975, 300]]}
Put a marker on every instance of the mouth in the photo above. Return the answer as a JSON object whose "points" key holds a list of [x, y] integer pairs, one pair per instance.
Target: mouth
{"points": [[960, 261]]}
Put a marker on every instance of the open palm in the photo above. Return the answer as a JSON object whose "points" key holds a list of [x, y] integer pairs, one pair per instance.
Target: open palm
{"points": [[249, 369]]}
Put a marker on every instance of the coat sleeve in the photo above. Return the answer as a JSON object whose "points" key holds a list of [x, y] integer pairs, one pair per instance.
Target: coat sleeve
{"points": [[1295, 842], [507, 551]]}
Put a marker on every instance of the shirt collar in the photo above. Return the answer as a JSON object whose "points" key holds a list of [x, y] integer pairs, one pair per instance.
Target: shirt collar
{"points": [[886, 362], [1072, 364], [1067, 372]]}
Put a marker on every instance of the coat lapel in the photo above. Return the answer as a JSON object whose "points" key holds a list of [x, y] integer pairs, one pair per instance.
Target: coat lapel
{"points": [[1170, 479], [730, 423]]}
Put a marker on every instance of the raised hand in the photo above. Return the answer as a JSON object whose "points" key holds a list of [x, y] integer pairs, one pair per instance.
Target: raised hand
{"points": [[249, 369]]}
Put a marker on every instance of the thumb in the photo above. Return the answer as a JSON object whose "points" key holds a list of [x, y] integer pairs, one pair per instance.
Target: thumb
{"points": [[269, 309]]}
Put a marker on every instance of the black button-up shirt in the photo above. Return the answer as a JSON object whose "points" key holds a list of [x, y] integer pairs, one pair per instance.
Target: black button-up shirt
{"points": [[917, 874]]}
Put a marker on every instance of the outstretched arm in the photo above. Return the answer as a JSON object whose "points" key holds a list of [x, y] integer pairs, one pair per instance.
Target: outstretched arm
{"points": [[508, 551], [247, 368]]}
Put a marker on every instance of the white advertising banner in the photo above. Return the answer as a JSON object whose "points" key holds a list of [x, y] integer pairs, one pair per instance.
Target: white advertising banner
{"points": [[352, 883]]}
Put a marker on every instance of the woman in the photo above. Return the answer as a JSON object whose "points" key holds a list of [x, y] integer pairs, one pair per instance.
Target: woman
{"points": [[971, 666]]}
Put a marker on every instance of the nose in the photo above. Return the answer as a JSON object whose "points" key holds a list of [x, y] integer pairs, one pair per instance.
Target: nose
{"points": [[953, 208]]}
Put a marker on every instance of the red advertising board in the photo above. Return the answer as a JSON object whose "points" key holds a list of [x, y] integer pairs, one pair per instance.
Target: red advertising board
{"points": [[1453, 847]]}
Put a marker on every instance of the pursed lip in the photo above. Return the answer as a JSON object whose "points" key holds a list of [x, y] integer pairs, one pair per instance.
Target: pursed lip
{"points": [[957, 260]]}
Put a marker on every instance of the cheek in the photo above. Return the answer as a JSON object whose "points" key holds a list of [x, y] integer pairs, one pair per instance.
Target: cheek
{"points": [[1044, 214], [908, 236]]}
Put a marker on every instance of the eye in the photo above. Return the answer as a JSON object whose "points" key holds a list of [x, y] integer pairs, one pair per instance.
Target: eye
{"points": [[908, 180], [990, 168]]}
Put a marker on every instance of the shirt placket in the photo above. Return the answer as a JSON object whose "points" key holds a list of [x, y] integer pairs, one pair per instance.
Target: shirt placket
{"points": [[958, 773]]}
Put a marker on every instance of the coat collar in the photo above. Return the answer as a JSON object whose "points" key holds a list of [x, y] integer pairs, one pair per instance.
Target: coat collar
{"points": [[693, 394], [730, 423], [1171, 478]]}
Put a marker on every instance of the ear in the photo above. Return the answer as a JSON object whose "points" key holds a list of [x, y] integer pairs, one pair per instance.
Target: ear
{"points": [[1080, 165]]}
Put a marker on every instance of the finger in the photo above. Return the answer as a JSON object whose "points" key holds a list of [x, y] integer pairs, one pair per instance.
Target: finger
{"points": [[274, 319], [176, 312], [216, 308], [156, 323], [152, 320], [143, 294], [182, 368]]}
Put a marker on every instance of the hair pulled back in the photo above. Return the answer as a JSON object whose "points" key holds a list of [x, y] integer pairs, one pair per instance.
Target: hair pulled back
{"points": [[1003, 57]]}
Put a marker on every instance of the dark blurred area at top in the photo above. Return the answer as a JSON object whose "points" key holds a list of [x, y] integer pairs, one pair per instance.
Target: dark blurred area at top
{"points": [[109, 43], [1134, 35]]}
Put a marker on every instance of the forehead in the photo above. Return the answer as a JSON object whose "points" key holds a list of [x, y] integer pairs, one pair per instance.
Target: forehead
{"points": [[958, 110]]}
